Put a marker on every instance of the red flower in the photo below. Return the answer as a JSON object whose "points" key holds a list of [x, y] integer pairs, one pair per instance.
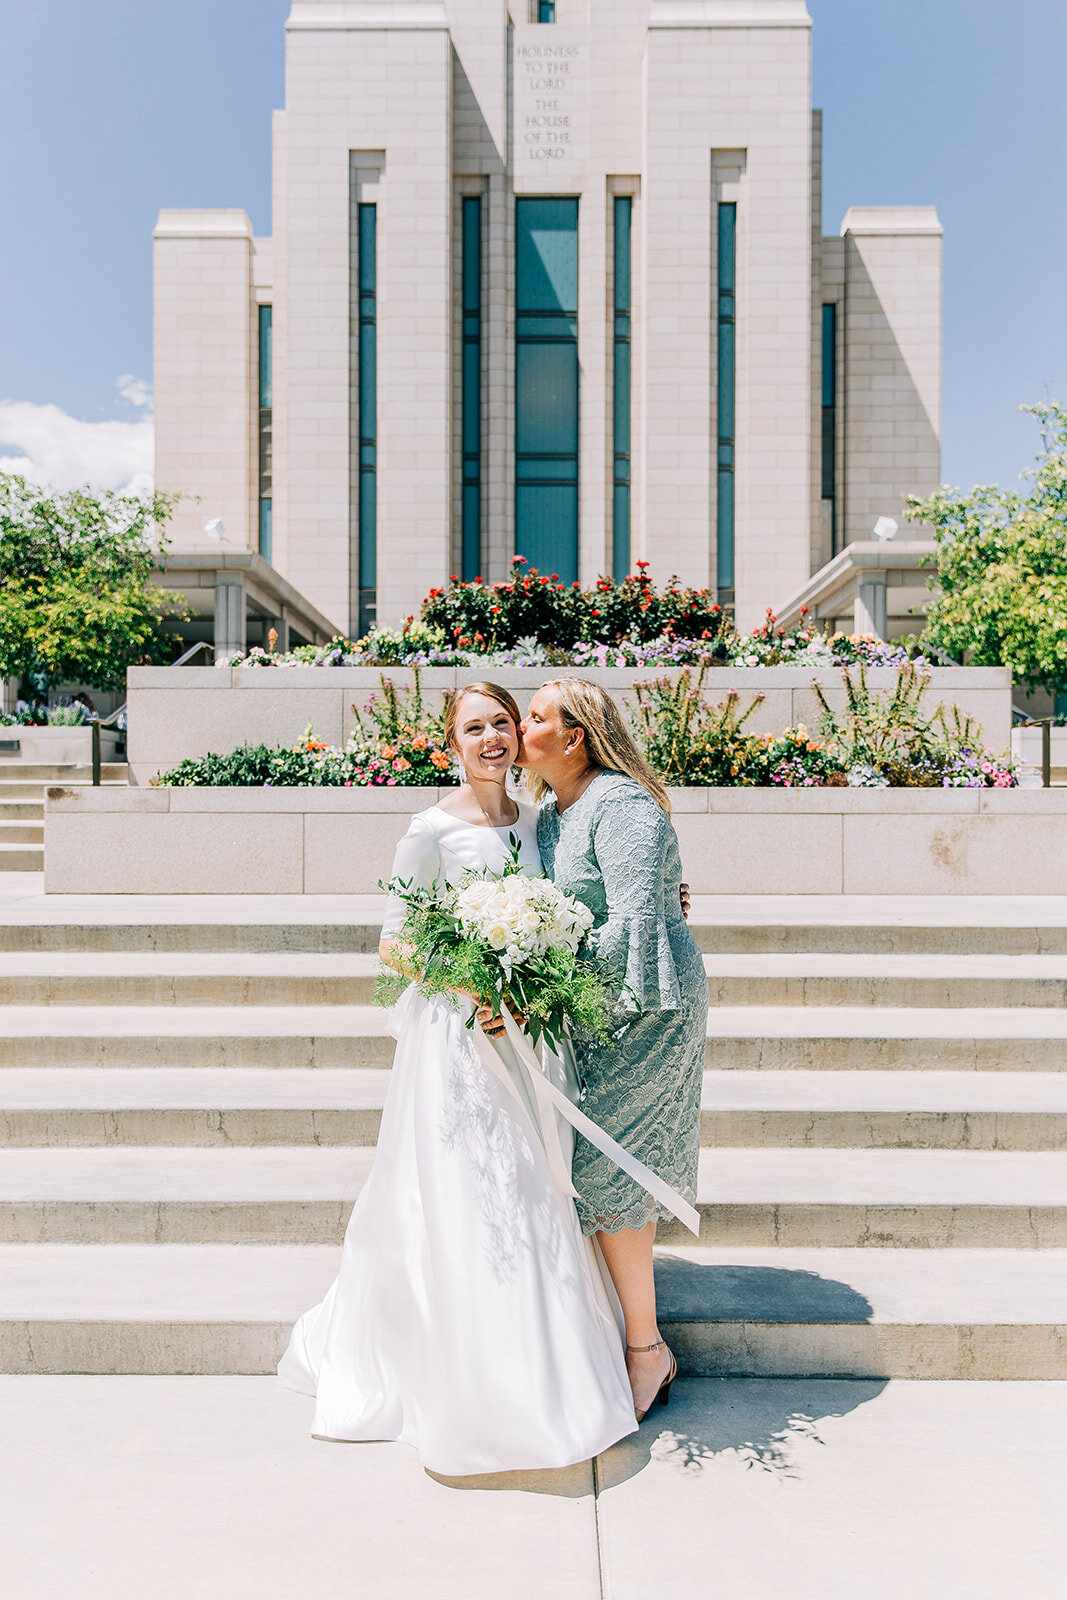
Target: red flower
{"points": [[495, 610], [641, 563], [518, 561], [594, 613], [555, 577], [453, 577]]}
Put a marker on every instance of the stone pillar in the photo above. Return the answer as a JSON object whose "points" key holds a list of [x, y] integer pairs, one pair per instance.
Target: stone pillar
{"points": [[205, 370], [230, 615], [871, 611], [891, 362]]}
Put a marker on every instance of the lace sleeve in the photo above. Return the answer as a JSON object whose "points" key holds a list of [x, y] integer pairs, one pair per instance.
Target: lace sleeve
{"points": [[632, 840], [417, 861]]}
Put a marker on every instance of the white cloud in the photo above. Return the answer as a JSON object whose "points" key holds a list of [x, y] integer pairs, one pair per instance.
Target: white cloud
{"points": [[47, 446], [135, 390]]}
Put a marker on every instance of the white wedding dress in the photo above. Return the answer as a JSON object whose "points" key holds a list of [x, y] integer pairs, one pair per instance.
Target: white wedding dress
{"points": [[470, 1318]]}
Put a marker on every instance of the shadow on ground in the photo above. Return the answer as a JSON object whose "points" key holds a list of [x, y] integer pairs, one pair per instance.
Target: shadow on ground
{"points": [[696, 1291], [759, 1420]]}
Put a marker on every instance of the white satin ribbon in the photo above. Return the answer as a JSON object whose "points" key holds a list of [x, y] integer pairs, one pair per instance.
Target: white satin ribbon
{"points": [[548, 1099]]}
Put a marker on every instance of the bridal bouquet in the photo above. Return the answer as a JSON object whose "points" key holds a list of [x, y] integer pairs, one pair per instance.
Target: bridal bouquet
{"points": [[510, 939]]}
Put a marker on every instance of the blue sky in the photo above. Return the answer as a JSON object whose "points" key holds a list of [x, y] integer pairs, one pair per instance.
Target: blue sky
{"points": [[110, 109]]}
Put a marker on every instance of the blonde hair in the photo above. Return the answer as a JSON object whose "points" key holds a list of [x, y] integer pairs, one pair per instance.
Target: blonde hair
{"points": [[608, 741], [492, 691]]}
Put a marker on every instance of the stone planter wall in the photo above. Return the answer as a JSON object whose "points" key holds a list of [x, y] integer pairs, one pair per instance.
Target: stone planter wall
{"points": [[176, 712], [734, 841], [60, 746]]}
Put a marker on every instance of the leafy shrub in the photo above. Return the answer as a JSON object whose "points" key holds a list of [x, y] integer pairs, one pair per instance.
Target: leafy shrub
{"points": [[688, 741], [529, 605], [878, 739], [891, 733], [397, 744]]}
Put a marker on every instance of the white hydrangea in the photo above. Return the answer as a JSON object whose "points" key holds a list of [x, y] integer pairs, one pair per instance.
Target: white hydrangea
{"points": [[522, 918]]}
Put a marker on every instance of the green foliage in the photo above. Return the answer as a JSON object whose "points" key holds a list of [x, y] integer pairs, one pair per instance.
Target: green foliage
{"points": [[888, 735], [398, 714], [497, 616], [687, 740], [1002, 566], [892, 732], [76, 601]]}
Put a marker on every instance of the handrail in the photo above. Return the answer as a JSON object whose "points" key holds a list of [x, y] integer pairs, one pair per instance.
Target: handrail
{"points": [[194, 649], [104, 722]]}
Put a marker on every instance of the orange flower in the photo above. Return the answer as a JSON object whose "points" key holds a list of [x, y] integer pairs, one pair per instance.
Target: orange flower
{"points": [[419, 742], [388, 752], [439, 759]]}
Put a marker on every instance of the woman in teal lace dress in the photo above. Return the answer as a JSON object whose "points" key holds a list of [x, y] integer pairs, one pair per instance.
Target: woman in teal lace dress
{"points": [[605, 836]]}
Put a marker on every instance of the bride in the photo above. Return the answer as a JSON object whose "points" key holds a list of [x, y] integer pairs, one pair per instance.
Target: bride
{"points": [[470, 1317]]}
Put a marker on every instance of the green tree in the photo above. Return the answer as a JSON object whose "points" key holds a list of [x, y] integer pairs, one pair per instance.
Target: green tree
{"points": [[1002, 566], [77, 603]]}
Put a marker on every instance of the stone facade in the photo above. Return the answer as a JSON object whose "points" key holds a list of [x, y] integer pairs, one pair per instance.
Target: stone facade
{"points": [[413, 106]]}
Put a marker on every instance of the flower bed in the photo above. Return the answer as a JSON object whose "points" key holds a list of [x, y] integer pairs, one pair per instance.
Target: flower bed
{"points": [[536, 621], [877, 740]]}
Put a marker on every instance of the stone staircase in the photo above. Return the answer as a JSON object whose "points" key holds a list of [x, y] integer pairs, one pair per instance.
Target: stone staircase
{"points": [[188, 1109], [22, 787]]}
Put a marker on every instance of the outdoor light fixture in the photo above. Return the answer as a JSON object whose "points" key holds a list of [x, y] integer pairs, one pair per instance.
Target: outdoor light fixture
{"points": [[885, 528], [217, 528]]}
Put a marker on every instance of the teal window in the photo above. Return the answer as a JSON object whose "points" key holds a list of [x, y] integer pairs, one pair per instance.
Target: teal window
{"points": [[546, 385], [546, 10], [726, 407], [265, 430], [471, 422], [828, 465], [367, 388], [620, 503]]}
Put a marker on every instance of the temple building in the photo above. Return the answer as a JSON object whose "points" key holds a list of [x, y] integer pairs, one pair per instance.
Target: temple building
{"points": [[545, 279]]}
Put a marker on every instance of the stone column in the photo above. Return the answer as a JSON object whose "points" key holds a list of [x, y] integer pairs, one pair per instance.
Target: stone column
{"points": [[230, 615], [870, 613]]}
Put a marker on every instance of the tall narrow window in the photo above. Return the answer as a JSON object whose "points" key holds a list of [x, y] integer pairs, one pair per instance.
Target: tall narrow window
{"points": [[546, 10], [266, 402], [471, 424], [829, 424], [546, 385], [368, 416], [620, 505], [726, 409]]}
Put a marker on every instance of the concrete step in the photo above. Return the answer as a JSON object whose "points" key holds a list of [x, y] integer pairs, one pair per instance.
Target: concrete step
{"points": [[734, 925], [195, 1036], [895, 1198], [964, 1314], [21, 789], [864, 1313], [190, 1107], [745, 1038], [21, 857], [50, 1108], [14, 830], [190, 979], [43, 772], [298, 978], [21, 811]]}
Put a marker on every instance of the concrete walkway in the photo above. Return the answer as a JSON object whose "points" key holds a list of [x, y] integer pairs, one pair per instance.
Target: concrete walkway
{"points": [[119, 1488]]}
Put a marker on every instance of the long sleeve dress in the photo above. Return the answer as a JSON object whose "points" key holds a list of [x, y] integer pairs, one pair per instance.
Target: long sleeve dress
{"points": [[470, 1318], [617, 851]]}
